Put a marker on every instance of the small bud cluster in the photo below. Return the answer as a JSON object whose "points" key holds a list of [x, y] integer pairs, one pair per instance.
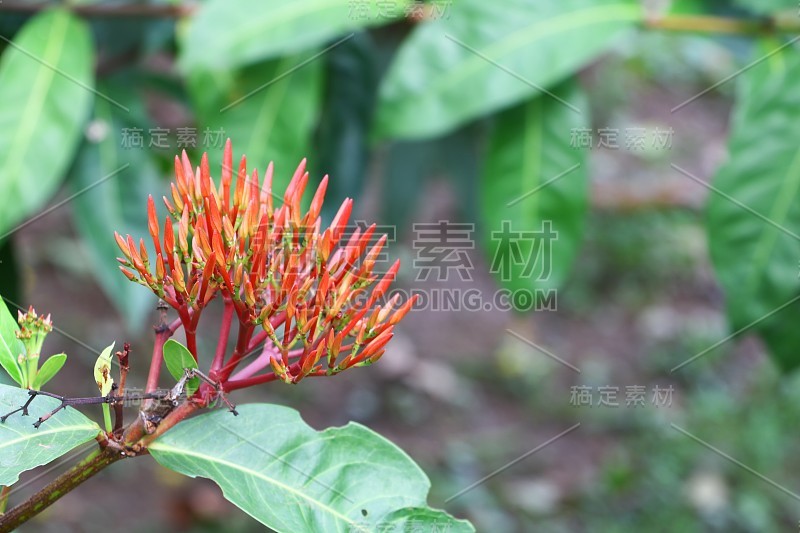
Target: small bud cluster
{"points": [[313, 294], [33, 329]]}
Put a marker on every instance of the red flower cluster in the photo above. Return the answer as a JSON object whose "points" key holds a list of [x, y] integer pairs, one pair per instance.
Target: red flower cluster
{"points": [[305, 298]]}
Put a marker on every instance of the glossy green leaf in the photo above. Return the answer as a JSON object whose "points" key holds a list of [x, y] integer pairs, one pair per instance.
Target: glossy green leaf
{"points": [[23, 447], [291, 478], [408, 164], [10, 345], [49, 369], [268, 110], [5, 379], [754, 219], [102, 370], [111, 180], [351, 83], [46, 79], [535, 183], [769, 7], [225, 35], [10, 276], [178, 358], [485, 56], [459, 158]]}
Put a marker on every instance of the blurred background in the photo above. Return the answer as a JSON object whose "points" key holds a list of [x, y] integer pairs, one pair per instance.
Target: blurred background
{"points": [[596, 201]]}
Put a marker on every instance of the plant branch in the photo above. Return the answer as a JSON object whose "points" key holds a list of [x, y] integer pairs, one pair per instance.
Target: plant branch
{"points": [[118, 10], [728, 25], [680, 23], [4, 491], [88, 467], [177, 415]]}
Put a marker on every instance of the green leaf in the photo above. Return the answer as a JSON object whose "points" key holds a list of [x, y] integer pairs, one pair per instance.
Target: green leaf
{"points": [[754, 232], [224, 35], [102, 371], [179, 358], [46, 79], [410, 164], [111, 181], [10, 345], [49, 369], [268, 110], [5, 379], [486, 56], [532, 177], [291, 478], [768, 7], [23, 447], [412, 519], [10, 276], [343, 136]]}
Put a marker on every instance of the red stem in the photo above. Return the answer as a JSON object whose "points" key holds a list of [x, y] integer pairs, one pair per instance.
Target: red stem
{"points": [[258, 338], [175, 324], [260, 363], [242, 342], [224, 334], [264, 378], [249, 382], [190, 330], [158, 357]]}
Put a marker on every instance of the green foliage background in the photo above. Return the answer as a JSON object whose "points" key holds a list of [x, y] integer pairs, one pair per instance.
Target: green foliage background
{"points": [[485, 92]]}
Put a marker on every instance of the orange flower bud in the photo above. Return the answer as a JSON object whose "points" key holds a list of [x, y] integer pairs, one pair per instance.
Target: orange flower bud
{"points": [[128, 274], [249, 295], [339, 223], [178, 280], [227, 172], [159, 267], [287, 270], [183, 232], [400, 313], [152, 223], [169, 239], [122, 245], [377, 343]]}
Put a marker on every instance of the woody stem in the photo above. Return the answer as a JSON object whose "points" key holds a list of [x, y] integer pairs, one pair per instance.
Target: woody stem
{"points": [[4, 490], [88, 467], [713, 24], [177, 415]]}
